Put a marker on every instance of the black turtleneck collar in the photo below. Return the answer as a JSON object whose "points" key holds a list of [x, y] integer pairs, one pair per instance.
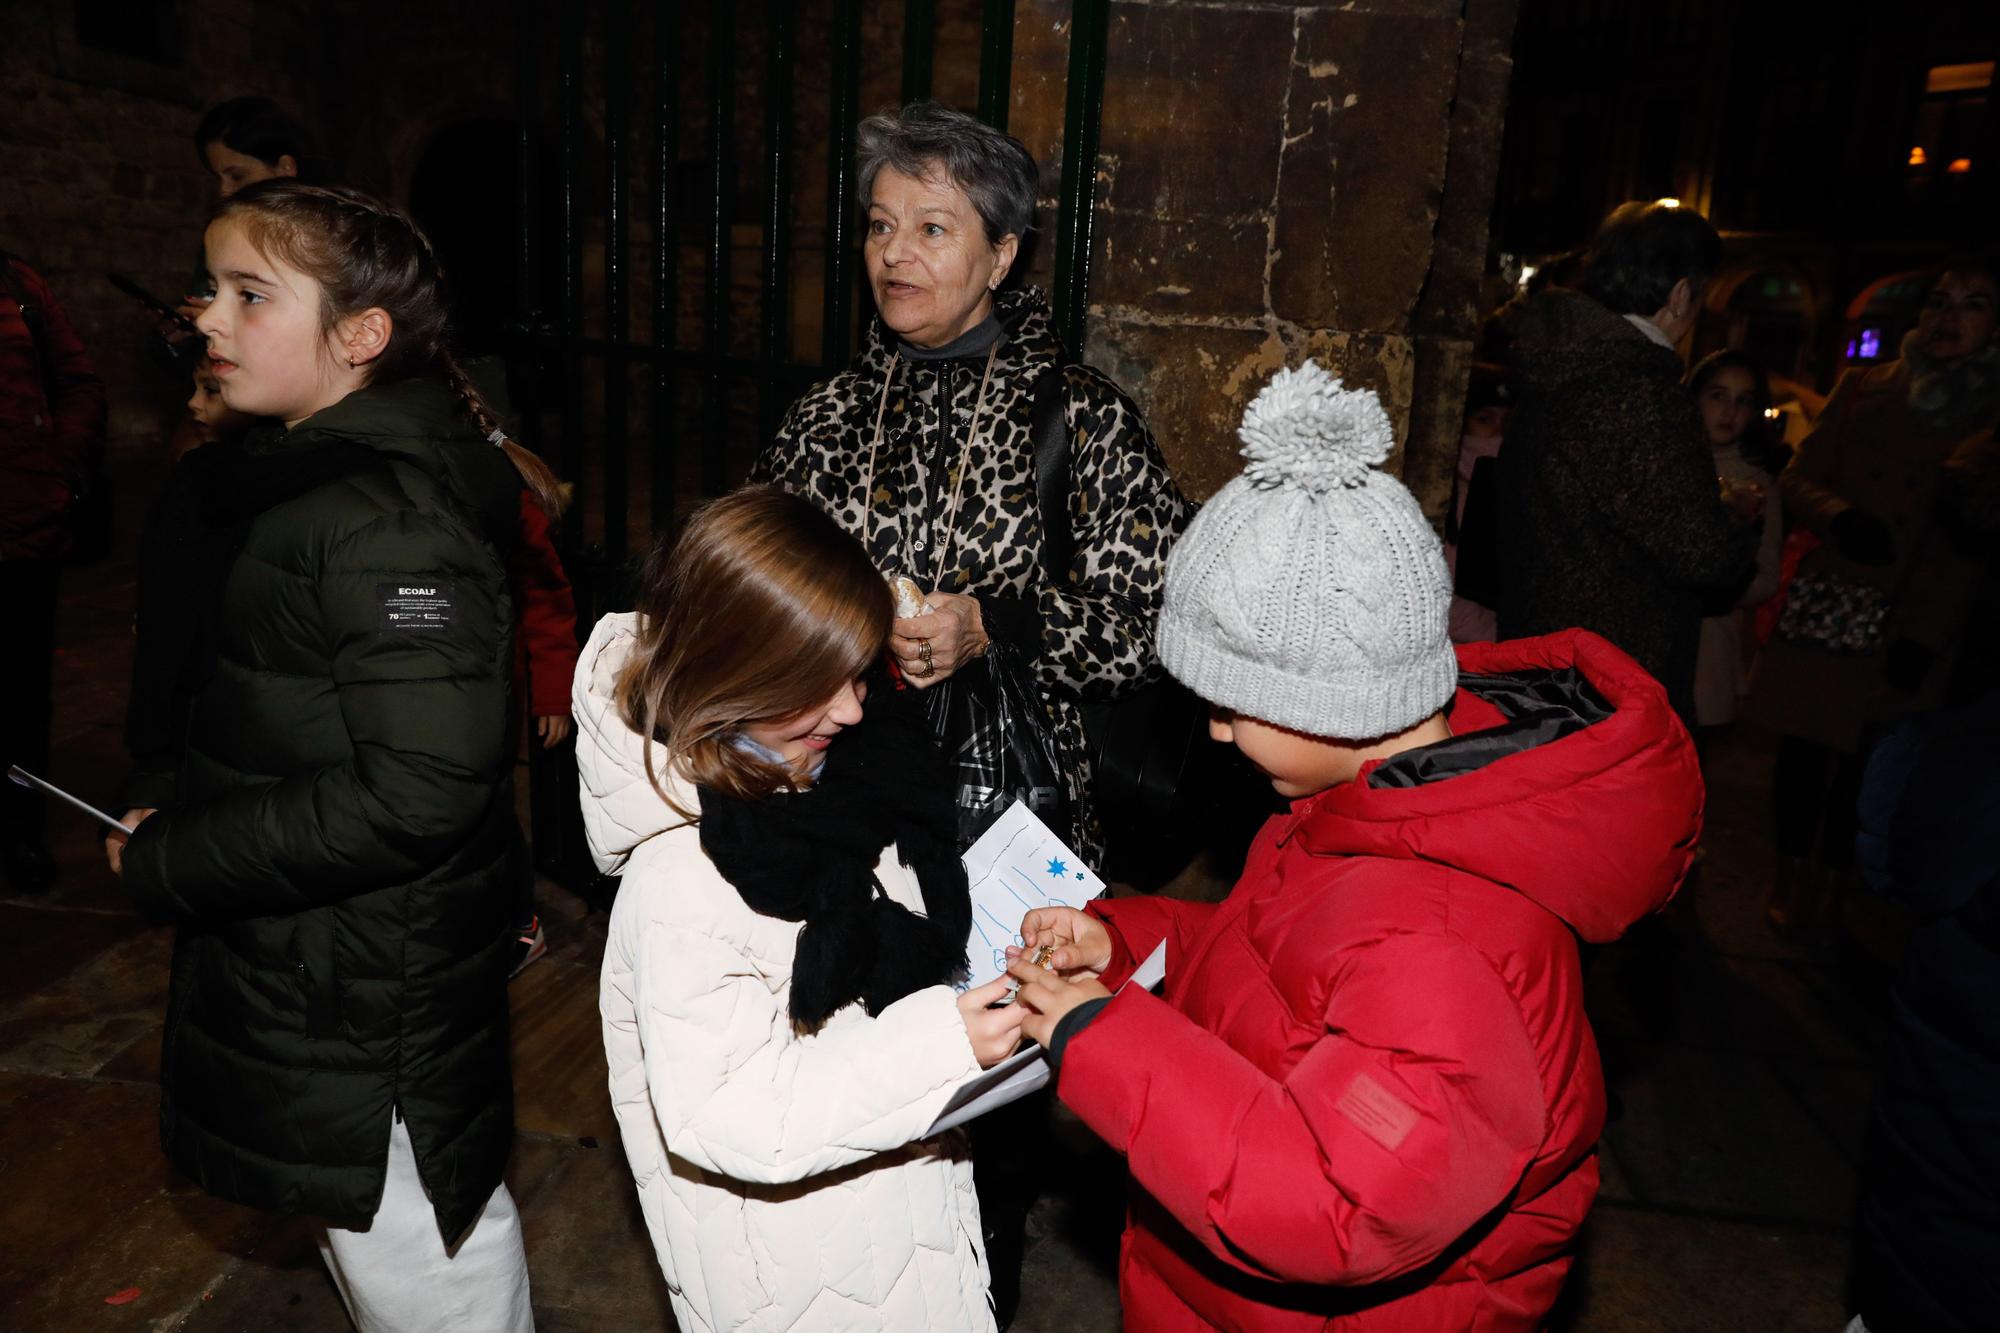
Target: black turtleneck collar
{"points": [[973, 342]]}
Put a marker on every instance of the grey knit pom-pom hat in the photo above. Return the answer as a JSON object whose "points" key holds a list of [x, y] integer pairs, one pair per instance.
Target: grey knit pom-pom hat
{"points": [[1311, 592]]}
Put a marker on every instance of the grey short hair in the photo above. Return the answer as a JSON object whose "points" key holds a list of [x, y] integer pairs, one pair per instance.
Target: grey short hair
{"points": [[995, 169]]}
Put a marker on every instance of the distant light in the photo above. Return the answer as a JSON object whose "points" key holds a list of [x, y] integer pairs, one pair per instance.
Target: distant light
{"points": [[1772, 413], [1871, 344], [1668, 203], [1959, 166], [1918, 157], [1959, 78], [1528, 271]]}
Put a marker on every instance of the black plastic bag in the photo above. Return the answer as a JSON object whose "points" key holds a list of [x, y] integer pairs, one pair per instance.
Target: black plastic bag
{"points": [[989, 719]]}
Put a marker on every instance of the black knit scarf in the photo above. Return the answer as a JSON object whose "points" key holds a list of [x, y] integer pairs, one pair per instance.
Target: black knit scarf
{"points": [[810, 856]]}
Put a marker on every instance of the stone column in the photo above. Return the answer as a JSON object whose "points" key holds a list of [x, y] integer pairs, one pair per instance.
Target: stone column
{"points": [[1278, 181]]}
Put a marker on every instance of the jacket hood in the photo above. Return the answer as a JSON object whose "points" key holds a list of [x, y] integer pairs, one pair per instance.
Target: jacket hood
{"points": [[421, 422], [621, 809], [1563, 335], [1587, 799]]}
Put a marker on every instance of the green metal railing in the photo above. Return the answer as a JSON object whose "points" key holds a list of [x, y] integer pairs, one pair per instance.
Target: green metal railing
{"points": [[557, 358]]}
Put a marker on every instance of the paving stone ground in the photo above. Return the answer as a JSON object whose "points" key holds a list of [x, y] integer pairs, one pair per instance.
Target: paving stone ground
{"points": [[1740, 1062]]}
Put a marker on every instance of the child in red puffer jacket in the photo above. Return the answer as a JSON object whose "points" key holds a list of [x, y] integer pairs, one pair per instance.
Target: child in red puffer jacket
{"points": [[1369, 1097]]}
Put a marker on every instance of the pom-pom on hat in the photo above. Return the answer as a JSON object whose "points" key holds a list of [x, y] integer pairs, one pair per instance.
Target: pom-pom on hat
{"points": [[1311, 592]]}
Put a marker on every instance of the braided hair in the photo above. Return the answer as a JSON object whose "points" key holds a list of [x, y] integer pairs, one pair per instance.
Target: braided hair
{"points": [[365, 254]]}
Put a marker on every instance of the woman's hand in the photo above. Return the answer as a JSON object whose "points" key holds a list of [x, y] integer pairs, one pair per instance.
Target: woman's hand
{"points": [[553, 729], [994, 1032], [1082, 944], [114, 846], [1049, 996], [930, 648]]}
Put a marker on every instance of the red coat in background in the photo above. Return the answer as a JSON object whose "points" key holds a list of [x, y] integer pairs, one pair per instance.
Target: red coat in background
{"points": [[1370, 1098], [50, 435], [545, 647]]}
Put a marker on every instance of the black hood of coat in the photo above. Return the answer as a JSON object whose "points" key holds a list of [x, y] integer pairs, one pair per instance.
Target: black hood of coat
{"points": [[421, 422]]}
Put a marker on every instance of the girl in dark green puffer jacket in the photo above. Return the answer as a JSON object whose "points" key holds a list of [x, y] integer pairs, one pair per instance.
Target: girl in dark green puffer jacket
{"points": [[340, 847]]}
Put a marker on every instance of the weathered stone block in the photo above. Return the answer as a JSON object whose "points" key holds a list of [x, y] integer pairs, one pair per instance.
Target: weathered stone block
{"points": [[1430, 458], [1452, 298], [1489, 27], [1384, 363], [1366, 133], [1193, 382], [1210, 267], [1436, 9], [1192, 105]]}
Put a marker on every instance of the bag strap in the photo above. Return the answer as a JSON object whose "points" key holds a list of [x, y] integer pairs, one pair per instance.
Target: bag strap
{"points": [[38, 329], [1050, 433]]}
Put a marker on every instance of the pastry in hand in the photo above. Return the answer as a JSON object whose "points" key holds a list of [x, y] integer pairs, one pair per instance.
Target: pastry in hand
{"points": [[909, 597]]}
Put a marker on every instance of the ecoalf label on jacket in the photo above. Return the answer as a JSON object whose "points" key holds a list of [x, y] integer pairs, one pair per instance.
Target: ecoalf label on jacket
{"points": [[415, 606]]}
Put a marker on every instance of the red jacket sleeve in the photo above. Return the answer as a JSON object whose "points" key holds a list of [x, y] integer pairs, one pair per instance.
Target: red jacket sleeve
{"points": [[546, 609], [76, 399], [1139, 925], [1413, 1116]]}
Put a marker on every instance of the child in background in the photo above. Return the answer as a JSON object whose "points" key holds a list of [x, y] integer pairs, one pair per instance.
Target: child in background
{"points": [[1732, 394], [545, 650], [1369, 1098], [170, 613], [209, 418]]}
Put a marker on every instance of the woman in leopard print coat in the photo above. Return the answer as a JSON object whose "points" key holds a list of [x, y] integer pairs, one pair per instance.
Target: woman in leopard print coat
{"points": [[925, 449]]}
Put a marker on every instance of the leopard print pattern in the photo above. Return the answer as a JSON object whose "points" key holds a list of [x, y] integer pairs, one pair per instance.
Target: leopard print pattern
{"points": [[1096, 635]]}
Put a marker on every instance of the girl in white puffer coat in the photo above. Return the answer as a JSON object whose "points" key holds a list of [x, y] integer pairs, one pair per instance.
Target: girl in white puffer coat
{"points": [[778, 1013]]}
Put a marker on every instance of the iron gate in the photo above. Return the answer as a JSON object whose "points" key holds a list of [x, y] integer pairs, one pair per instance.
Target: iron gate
{"points": [[592, 393]]}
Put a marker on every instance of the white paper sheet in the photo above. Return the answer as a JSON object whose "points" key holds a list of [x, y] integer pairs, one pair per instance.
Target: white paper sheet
{"points": [[1025, 1070], [21, 777], [1016, 866]]}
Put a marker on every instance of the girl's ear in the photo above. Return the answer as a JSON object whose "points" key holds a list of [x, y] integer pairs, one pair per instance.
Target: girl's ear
{"points": [[286, 165], [360, 338]]}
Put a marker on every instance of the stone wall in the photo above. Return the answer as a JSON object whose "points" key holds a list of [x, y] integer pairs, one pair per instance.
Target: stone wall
{"points": [[1283, 180]]}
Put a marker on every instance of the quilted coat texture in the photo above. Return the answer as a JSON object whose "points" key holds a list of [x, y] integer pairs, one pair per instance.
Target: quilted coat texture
{"points": [[1369, 1098], [341, 849], [779, 1174], [1611, 519]]}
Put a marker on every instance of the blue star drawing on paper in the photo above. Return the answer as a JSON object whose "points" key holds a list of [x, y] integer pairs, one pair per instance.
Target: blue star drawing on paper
{"points": [[1056, 866], [1079, 875]]}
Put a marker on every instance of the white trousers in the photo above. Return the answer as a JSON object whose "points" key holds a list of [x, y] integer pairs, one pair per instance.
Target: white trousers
{"points": [[398, 1276]]}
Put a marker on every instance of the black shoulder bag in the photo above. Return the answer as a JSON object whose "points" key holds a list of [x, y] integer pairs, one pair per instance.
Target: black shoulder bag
{"points": [[1145, 742]]}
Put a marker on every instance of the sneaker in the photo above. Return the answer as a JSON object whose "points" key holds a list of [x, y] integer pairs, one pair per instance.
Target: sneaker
{"points": [[532, 944]]}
